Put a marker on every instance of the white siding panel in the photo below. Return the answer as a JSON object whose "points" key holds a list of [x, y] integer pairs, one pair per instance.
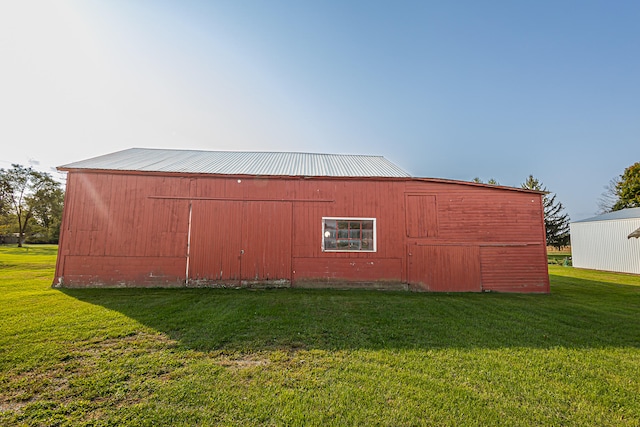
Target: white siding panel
{"points": [[603, 245]]}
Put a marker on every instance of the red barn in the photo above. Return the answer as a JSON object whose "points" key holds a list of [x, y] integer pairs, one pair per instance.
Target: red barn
{"points": [[144, 217]]}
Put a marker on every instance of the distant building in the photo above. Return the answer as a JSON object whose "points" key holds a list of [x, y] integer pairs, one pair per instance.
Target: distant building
{"points": [[144, 217], [608, 242]]}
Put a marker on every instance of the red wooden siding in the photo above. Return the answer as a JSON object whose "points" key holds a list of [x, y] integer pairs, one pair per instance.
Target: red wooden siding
{"points": [[422, 215], [216, 240], [113, 234], [513, 269], [445, 268], [266, 235], [478, 219], [240, 240], [121, 228], [346, 269]]}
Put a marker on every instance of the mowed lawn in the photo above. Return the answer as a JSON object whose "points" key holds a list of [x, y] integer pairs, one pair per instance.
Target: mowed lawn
{"points": [[316, 357]]}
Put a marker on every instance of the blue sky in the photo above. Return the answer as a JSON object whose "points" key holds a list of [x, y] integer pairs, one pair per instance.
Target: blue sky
{"points": [[496, 89]]}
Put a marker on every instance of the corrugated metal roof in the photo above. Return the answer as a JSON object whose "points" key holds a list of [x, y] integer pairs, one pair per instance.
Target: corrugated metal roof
{"points": [[242, 163], [629, 213]]}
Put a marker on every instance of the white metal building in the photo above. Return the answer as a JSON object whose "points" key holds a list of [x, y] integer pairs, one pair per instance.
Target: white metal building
{"points": [[607, 242]]}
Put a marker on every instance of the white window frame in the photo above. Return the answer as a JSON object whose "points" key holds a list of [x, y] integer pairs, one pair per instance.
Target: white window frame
{"points": [[346, 218]]}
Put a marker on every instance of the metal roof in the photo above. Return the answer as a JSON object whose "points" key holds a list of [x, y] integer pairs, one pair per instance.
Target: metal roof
{"points": [[629, 213], [242, 163]]}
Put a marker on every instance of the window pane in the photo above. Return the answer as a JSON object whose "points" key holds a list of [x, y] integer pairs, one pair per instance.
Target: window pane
{"points": [[348, 235], [343, 244]]}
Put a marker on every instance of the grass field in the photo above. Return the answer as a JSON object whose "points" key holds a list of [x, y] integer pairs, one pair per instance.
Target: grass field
{"points": [[316, 357]]}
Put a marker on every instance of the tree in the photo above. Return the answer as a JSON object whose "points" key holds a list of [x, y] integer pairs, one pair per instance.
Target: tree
{"points": [[609, 198], [27, 194], [46, 206], [623, 191], [491, 181], [628, 188], [556, 222]]}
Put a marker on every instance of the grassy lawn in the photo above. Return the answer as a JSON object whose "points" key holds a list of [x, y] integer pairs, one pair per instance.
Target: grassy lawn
{"points": [[316, 357], [555, 256]]}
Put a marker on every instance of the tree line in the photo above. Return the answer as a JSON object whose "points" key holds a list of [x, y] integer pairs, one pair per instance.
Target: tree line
{"points": [[30, 205]]}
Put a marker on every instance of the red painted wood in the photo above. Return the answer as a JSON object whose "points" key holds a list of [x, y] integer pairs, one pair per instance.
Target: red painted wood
{"points": [[514, 269], [314, 269], [112, 271], [421, 215], [233, 241], [216, 240], [266, 241], [457, 227], [445, 268]]}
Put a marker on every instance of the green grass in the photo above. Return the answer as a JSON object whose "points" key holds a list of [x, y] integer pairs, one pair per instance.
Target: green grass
{"points": [[559, 257], [316, 357]]}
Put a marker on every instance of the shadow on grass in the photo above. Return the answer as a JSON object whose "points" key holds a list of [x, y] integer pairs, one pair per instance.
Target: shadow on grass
{"points": [[577, 314]]}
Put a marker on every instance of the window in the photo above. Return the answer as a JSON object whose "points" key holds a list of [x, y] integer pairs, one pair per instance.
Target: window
{"points": [[349, 234]]}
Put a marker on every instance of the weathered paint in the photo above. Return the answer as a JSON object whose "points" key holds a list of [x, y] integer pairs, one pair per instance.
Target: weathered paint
{"points": [[154, 229]]}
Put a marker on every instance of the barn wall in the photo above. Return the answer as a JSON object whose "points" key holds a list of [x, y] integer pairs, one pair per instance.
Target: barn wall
{"points": [[481, 238], [603, 245], [157, 230], [113, 233]]}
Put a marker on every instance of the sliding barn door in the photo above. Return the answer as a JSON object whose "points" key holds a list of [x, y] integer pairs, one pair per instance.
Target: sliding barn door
{"points": [[240, 241]]}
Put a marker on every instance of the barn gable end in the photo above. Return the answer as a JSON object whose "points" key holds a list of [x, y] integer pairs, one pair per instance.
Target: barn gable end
{"points": [[131, 226]]}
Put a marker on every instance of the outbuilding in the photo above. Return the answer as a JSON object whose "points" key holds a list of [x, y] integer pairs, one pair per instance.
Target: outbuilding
{"points": [[150, 217], [608, 242]]}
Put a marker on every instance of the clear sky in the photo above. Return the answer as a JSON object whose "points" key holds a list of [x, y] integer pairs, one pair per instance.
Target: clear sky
{"points": [[447, 89]]}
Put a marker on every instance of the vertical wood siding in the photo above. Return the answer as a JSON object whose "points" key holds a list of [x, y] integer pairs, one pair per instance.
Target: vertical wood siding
{"points": [[123, 229], [234, 241], [216, 240], [114, 234], [422, 215]]}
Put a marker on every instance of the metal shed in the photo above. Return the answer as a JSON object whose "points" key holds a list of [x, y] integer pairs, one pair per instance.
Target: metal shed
{"points": [[606, 242], [144, 217]]}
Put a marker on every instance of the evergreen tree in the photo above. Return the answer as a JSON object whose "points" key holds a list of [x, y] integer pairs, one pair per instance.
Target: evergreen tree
{"points": [[556, 222], [491, 181]]}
